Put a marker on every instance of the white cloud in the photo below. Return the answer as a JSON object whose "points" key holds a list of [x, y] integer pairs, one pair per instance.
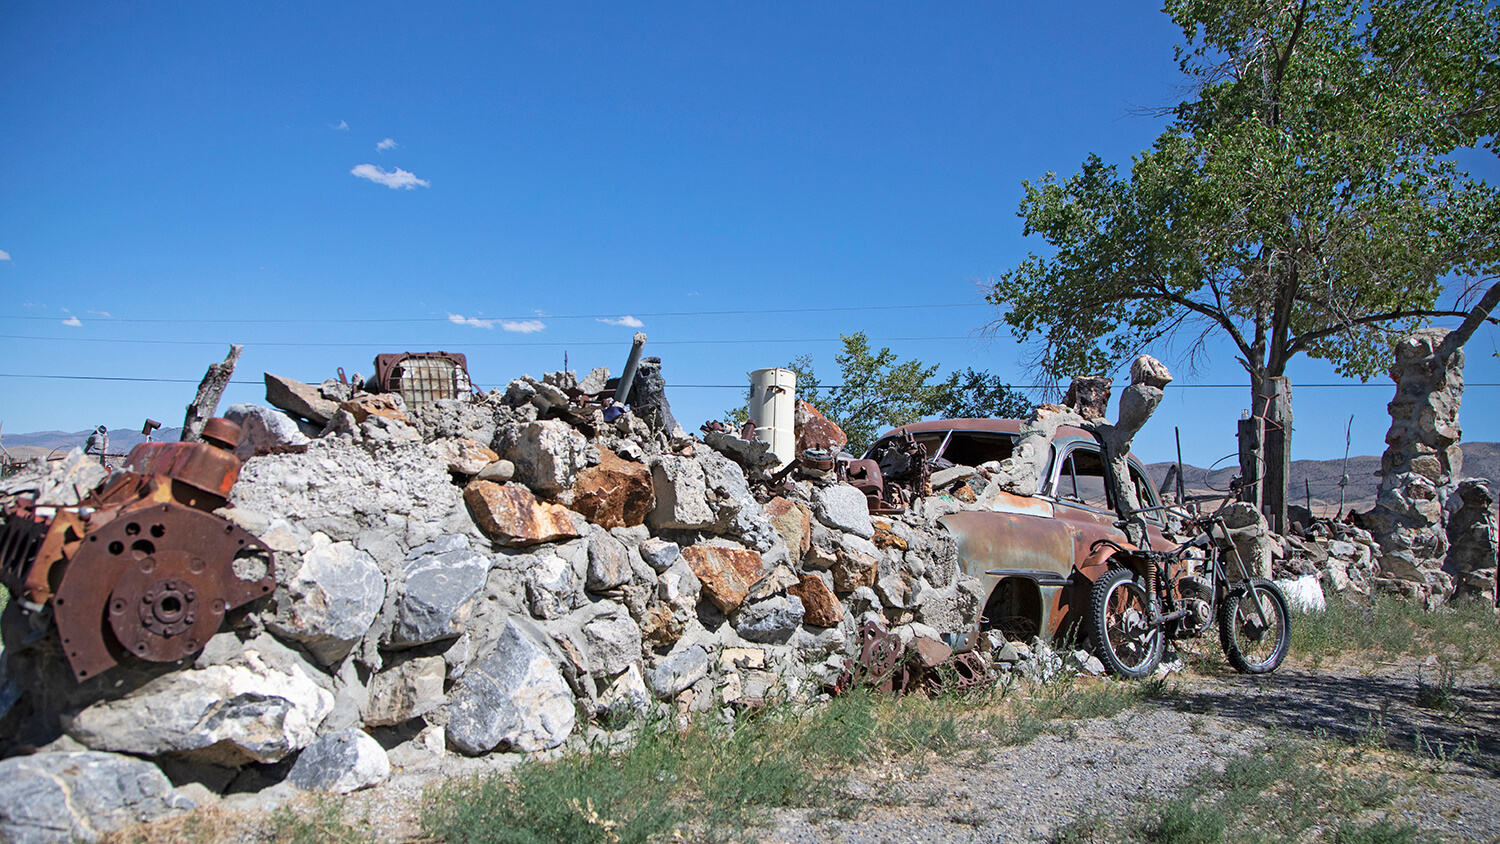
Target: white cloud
{"points": [[343, 126], [73, 321], [523, 327], [397, 179], [386, 144], [4, 256], [628, 321], [458, 319], [104, 314]]}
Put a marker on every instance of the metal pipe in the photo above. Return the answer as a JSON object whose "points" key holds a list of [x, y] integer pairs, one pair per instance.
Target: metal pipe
{"points": [[627, 378]]}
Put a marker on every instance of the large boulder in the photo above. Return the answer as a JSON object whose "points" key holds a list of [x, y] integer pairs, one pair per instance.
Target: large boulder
{"points": [[609, 563], [443, 580], [61, 798], [260, 705], [772, 620], [726, 574], [341, 762], [405, 691], [303, 401], [616, 493], [330, 602], [264, 430], [681, 494], [793, 521], [514, 696], [843, 507], [462, 455], [548, 454], [511, 515], [820, 607]]}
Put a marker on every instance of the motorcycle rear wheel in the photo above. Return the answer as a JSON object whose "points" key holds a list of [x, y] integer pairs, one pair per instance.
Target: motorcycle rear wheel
{"points": [[1119, 624]]}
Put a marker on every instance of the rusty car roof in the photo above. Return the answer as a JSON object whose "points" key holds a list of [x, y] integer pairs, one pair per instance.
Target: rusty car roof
{"points": [[996, 426]]}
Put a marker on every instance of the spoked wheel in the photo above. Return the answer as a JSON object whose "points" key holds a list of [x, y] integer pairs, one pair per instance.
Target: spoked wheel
{"points": [[1255, 627], [1119, 623]]}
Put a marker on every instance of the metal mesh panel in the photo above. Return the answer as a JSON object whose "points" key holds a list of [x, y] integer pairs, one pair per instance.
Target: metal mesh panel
{"points": [[421, 381]]}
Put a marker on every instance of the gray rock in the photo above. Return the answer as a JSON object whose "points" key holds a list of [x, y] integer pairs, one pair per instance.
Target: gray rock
{"points": [[443, 579], [594, 381], [548, 454], [515, 695], [843, 507], [406, 690], [260, 708], [679, 671], [500, 471], [299, 399], [660, 554], [681, 494], [339, 763], [609, 563], [770, 621], [455, 418], [263, 429], [614, 642], [552, 586], [81, 796], [331, 601]]}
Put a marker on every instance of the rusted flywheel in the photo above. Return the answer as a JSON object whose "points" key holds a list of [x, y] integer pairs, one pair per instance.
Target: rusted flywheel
{"points": [[159, 580]]}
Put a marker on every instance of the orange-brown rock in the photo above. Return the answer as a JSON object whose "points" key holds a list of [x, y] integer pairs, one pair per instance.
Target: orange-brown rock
{"points": [[820, 607], [794, 522], [884, 538], [662, 627], [382, 404], [853, 570], [726, 573], [511, 515], [615, 493], [814, 430], [463, 455]]}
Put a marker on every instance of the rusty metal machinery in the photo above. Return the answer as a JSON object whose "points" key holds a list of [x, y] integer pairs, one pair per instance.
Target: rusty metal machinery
{"points": [[141, 566]]}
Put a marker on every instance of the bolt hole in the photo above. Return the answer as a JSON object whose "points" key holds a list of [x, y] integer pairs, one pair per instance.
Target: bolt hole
{"points": [[132, 529], [171, 604], [158, 531], [117, 547], [142, 548]]}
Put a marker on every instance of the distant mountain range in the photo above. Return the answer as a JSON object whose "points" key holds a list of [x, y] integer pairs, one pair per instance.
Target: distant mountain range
{"points": [[43, 443], [1321, 478]]}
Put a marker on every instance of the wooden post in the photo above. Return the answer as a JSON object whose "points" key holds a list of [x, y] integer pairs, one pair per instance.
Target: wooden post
{"points": [[210, 390], [1252, 442], [1277, 409]]}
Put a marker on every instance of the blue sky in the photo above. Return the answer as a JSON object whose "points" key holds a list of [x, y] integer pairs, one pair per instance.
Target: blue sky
{"points": [[324, 182]]}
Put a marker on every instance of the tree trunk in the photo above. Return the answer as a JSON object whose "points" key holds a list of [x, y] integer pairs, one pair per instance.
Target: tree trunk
{"points": [[210, 390]]}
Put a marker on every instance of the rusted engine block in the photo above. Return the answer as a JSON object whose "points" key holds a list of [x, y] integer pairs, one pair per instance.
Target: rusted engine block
{"points": [[140, 566]]}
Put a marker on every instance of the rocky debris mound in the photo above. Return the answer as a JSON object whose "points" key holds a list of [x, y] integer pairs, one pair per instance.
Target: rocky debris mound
{"points": [[494, 575]]}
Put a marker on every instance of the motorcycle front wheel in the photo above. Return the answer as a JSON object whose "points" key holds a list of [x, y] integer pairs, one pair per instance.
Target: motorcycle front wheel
{"points": [[1255, 642], [1119, 624]]}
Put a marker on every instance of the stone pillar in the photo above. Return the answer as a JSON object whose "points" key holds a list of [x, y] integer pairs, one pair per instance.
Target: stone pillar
{"points": [[1473, 536], [1421, 462]]}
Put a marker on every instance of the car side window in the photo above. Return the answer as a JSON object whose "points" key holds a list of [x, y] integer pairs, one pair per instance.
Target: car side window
{"points": [[1144, 493], [1082, 479]]}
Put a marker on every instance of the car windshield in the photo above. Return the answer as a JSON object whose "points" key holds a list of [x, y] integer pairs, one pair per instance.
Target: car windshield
{"points": [[953, 448]]}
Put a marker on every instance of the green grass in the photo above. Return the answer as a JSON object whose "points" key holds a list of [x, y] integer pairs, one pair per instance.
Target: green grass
{"points": [[1283, 792], [1466, 633], [711, 781]]}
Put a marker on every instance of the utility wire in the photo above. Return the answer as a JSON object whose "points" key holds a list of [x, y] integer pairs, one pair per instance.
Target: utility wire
{"points": [[611, 315], [467, 345], [689, 386]]}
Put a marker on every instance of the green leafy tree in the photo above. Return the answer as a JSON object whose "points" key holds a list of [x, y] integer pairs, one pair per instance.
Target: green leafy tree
{"points": [[879, 391], [1300, 201]]}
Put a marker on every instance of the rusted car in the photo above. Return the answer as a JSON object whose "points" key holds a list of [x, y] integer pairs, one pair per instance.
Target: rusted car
{"points": [[1058, 564]]}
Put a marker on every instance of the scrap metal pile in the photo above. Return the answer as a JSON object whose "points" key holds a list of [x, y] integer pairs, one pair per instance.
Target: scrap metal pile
{"points": [[140, 566]]}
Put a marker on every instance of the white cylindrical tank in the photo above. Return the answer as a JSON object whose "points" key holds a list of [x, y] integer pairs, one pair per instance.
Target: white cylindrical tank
{"points": [[773, 409]]}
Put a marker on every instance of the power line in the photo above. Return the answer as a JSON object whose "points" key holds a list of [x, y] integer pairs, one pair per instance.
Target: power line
{"points": [[687, 386], [612, 315], [467, 345]]}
